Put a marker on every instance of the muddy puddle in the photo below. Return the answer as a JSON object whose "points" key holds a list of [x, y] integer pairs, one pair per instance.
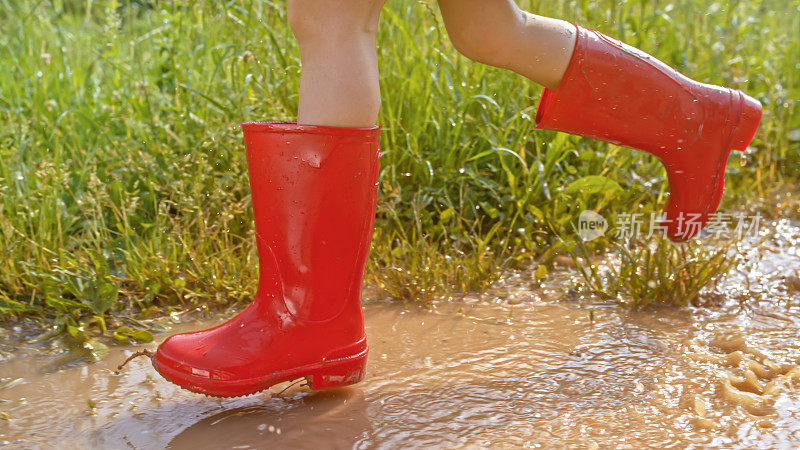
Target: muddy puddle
{"points": [[519, 366]]}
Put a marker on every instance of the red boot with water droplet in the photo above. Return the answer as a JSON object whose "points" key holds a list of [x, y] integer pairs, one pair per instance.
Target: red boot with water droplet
{"points": [[313, 191], [619, 94]]}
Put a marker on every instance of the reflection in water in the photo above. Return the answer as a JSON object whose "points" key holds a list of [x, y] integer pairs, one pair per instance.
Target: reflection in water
{"points": [[534, 371], [301, 420]]}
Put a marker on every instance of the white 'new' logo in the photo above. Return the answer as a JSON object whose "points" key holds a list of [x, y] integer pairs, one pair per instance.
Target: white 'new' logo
{"points": [[591, 225]]}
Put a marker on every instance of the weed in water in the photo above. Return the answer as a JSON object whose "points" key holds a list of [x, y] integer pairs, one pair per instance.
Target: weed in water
{"points": [[654, 271]]}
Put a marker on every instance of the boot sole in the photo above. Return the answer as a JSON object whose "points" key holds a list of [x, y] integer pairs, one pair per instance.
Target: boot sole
{"points": [[322, 375]]}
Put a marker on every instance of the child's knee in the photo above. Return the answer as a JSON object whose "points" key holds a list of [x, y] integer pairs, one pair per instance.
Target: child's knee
{"points": [[486, 40], [482, 47], [475, 47], [310, 19]]}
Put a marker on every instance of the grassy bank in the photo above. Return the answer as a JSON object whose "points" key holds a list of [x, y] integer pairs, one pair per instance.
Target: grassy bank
{"points": [[123, 186]]}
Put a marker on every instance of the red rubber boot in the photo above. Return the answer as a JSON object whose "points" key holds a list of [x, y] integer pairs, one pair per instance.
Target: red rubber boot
{"points": [[619, 94], [313, 191]]}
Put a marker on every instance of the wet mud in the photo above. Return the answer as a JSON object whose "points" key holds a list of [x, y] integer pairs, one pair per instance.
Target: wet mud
{"points": [[519, 366]]}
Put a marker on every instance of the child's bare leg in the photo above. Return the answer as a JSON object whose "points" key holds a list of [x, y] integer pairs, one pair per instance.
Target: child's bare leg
{"points": [[339, 77], [498, 33]]}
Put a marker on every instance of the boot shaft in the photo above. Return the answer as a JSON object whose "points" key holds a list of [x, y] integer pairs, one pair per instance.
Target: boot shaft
{"points": [[620, 94], [313, 192]]}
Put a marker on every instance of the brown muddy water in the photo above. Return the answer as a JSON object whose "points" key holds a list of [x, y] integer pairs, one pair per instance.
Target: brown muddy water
{"points": [[519, 366]]}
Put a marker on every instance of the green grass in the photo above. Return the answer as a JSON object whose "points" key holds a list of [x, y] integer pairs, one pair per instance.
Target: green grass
{"points": [[654, 272], [123, 186]]}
